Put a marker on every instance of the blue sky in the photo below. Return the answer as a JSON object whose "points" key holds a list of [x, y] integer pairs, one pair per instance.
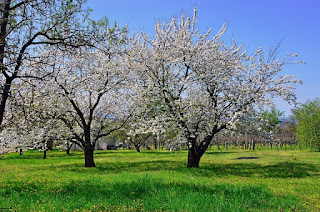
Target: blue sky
{"points": [[253, 23]]}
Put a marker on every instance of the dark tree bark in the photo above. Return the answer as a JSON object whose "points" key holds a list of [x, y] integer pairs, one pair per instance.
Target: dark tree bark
{"points": [[196, 150], [194, 157], [44, 154], [88, 156], [137, 146], [50, 144], [20, 151], [68, 151], [3, 32], [22, 25]]}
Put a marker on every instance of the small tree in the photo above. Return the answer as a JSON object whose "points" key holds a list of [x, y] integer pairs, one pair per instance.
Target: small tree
{"points": [[288, 132], [271, 124], [308, 123], [143, 126]]}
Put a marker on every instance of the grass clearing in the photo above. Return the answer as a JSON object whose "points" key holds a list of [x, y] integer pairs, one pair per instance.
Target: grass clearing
{"points": [[159, 181]]}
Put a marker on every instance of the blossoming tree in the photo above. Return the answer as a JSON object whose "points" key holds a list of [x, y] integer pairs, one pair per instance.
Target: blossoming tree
{"points": [[204, 84], [25, 25], [87, 91], [30, 124]]}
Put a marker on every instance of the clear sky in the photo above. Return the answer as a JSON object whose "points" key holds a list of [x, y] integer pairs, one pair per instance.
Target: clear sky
{"points": [[253, 23]]}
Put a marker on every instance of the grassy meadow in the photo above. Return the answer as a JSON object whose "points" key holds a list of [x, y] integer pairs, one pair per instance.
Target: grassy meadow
{"points": [[124, 180]]}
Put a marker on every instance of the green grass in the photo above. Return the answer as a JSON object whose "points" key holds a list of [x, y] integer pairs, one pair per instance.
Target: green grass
{"points": [[159, 181]]}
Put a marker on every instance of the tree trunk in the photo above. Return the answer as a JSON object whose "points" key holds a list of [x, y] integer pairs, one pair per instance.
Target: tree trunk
{"points": [[20, 151], [68, 151], [193, 158], [137, 146], [5, 12], [246, 145], [88, 157], [196, 150], [253, 144], [50, 144], [44, 154]]}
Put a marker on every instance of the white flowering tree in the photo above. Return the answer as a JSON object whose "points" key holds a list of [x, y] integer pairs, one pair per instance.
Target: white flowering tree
{"points": [[29, 124], [87, 91], [205, 85], [26, 24], [144, 126]]}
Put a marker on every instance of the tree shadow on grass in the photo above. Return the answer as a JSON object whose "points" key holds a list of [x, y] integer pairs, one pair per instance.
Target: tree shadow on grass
{"points": [[155, 152], [288, 169], [278, 170]]}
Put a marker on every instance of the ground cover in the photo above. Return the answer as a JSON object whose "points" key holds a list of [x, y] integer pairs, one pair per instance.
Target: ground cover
{"points": [[233, 180]]}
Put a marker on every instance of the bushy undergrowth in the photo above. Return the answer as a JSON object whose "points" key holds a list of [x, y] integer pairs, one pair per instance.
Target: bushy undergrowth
{"points": [[160, 181]]}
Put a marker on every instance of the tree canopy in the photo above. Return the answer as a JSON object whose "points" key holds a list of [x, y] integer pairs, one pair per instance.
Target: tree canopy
{"points": [[307, 116], [205, 84]]}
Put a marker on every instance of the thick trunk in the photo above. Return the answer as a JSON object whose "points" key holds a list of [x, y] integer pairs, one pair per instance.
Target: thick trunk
{"points": [[50, 144], [44, 154], [88, 148], [194, 157], [20, 151], [68, 151], [196, 150], [88, 157]]}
